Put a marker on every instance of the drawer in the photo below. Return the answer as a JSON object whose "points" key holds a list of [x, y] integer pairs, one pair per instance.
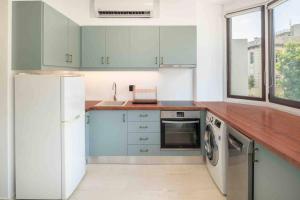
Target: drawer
{"points": [[144, 138], [144, 115], [140, 127], [143, 150]]}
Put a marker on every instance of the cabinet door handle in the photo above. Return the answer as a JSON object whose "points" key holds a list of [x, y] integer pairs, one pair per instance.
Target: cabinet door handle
{"points": [[124, 118], [145, 115], [102, 60], [143, 127], [88, 119], [144, 150], [162, 60], [71, 58], [107, 60], [254, 156], [67, 58], [156, 60], [144, 139]]}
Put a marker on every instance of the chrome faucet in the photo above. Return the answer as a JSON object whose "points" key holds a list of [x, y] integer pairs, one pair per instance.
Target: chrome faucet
{"points": [[114, 88]]}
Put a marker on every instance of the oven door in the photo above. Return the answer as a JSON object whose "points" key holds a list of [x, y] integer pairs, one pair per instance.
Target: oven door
{"points": [[180, 133]]}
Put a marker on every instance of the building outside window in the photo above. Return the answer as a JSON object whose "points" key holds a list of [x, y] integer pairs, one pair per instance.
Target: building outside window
{"points": [[245, 44], [284, 19], [251, 57]]}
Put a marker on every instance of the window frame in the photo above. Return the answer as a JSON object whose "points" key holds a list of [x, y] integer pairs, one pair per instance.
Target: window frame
{"points": [[263, 54], [271, 49]]}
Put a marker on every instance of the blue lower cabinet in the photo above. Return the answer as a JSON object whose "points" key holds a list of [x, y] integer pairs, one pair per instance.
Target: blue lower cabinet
{"points": [[144, 115], [143, 150], [139, 127], [274, 177], [108, 133], [144, 138]]}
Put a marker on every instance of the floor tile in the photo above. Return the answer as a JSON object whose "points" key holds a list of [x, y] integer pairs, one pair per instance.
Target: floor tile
{"points": [[147, 182]]}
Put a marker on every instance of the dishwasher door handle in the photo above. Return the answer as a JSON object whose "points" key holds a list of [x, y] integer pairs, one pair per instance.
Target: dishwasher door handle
{"points": [[238, 146]]}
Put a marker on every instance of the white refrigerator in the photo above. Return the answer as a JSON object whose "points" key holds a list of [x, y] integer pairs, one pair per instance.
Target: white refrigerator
{"points": [[49, 135]]}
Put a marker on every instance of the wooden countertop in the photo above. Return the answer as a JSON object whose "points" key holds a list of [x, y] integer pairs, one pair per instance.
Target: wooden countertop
{"points": [[276, 130], [90, 105]]}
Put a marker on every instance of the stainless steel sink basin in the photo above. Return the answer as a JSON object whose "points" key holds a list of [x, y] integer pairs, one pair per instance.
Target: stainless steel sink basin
{"points": [[111, 103]]}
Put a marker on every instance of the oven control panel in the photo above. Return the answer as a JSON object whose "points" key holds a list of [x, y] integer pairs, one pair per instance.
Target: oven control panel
{"points": [[180, 114]]}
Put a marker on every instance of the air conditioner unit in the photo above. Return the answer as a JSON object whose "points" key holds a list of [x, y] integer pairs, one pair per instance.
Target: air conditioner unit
{"points": [[124, 8]]}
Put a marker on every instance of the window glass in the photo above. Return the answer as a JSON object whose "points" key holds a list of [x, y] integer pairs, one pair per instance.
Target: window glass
{"points": [[246, 56], [286, 51]]}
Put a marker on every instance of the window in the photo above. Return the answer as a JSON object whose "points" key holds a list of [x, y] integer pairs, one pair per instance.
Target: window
{"points": [[245, 54], [284, 34], [251, 57]]}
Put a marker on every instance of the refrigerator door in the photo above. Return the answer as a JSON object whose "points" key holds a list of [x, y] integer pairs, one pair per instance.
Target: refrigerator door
{"points": [[73, 155], [37, 137], [73, 97]]}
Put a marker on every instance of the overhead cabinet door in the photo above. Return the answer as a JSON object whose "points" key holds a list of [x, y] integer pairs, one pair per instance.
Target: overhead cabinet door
{"points": [[178, 45], [117, 47], [41, 36], [73, 44], [93, 46], [144, 46], [55, 38]]}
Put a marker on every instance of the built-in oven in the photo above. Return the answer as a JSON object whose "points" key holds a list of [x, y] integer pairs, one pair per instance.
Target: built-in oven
{"points": [[180, 130]]}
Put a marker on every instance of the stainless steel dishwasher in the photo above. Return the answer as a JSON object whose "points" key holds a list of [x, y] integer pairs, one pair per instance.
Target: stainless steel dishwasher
{"points": [[240, 166]]}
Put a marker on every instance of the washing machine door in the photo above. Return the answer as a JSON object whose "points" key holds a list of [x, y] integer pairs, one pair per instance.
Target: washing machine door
{"points": [[211, 146]]}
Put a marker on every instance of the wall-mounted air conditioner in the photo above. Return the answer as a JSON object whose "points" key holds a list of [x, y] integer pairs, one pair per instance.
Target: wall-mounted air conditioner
{"points": [[124, 8]]}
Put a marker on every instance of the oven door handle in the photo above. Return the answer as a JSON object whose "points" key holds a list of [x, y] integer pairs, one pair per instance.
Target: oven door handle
{"points": [[180, 122]]}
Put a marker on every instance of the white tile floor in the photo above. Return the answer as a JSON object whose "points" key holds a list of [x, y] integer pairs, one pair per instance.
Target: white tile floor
{"points": [[147, 182]]}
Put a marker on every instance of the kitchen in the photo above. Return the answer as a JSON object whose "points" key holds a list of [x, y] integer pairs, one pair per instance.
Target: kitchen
{"points": [[189, 57]]}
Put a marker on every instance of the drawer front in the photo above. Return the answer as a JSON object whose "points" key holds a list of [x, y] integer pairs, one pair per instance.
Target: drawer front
{"points": [[142, 127], [144, 138], [143, 150], [144, 115]]}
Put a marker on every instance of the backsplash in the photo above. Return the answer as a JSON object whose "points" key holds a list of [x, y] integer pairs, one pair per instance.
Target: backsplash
{"points": [[172, 84]]}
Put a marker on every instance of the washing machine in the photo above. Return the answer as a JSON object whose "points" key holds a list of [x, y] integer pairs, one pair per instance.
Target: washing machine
{"points": [[216, 150]]}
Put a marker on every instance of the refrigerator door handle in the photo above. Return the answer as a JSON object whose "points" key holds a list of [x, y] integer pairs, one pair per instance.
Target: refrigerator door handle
{"points": [[74, 119]]}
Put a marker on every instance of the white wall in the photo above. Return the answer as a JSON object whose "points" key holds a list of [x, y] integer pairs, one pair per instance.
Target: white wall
{"points": [[208, 77], [173, 84], [6, 111], [209, 73], [170, 12]]}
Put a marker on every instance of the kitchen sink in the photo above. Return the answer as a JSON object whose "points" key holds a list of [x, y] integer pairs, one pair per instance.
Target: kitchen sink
{"points": [[112, 103]]}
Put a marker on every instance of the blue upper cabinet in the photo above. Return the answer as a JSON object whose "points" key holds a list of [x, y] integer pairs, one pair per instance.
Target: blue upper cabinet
{"points": [[43, 38], [178, 45], [108, 133], [144, 46], [274, 177], [117, 46], [74, 46], [93, 46], [55, 36], [120, 46]]}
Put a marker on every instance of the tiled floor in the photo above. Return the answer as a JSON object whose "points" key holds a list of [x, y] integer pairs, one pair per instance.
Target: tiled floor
{"points": [[147, 182]]}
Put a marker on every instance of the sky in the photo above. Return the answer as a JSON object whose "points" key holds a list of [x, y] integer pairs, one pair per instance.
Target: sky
{"points": [[248, 26]]}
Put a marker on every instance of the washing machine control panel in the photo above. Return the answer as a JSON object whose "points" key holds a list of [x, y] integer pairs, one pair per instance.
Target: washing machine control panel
{"points": [[217, 123]]}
